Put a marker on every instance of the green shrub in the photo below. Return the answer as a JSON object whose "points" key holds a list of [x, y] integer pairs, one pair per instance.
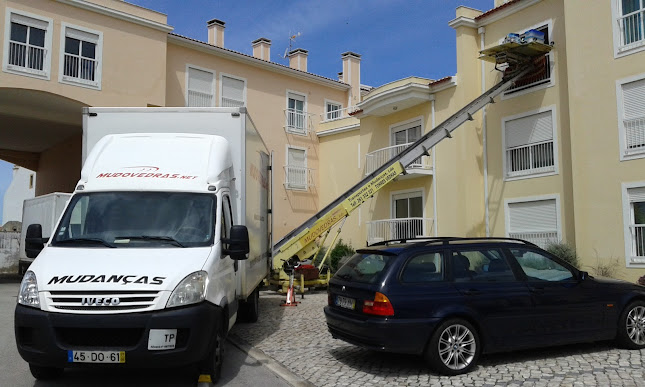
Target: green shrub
{"points": [[340, 251], [565, 252]]}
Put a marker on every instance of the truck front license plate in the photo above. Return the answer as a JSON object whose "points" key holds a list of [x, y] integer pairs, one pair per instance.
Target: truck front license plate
{"points": [[344, 302], [96, 356]]}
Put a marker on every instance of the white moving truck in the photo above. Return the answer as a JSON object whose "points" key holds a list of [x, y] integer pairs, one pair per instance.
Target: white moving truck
{"points": [[161, 248], [44, 210]]}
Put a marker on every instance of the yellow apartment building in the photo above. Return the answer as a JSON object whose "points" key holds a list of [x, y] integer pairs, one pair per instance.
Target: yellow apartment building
{"points": [[558, 157]]}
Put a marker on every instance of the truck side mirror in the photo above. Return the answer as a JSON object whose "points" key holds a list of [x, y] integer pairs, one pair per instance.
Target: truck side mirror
{"points": [[34, 242], [237, 246]]}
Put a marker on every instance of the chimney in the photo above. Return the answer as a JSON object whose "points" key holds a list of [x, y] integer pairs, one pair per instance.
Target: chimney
{"points": [[216, 32], [298, 59], [352, 76], [262, 49], [340, 76]]}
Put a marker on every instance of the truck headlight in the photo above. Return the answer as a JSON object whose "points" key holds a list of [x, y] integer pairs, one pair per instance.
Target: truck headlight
{"points": [[190, 290], [28, 294]]}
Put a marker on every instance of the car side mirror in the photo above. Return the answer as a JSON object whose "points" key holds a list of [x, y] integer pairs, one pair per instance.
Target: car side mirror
{"points": [[584, 275], [237, 246], [34, 241]]}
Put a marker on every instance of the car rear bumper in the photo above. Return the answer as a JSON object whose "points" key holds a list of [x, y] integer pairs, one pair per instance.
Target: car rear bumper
{"points": [[44, 338], [380, 333]]}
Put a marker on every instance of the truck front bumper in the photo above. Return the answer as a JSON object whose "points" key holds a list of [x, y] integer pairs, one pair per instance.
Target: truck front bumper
{"points": [[44, 338]]}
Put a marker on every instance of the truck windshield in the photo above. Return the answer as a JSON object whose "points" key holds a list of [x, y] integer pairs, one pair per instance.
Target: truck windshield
{"points": [[137, 219]]}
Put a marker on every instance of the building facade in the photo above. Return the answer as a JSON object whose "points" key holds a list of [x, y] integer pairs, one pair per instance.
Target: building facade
{"points": [[22, 186]]}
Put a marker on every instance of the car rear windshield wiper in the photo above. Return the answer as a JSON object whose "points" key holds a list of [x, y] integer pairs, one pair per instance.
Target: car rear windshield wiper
{"points": [[169, 239], [85, 240]]}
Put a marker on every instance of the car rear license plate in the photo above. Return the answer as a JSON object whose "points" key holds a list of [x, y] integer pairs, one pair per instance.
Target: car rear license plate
{"points": [[96, 356], [344, 302]]}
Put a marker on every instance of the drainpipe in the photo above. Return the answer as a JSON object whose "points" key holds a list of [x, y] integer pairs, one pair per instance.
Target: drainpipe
{"points": [[481, 31], [434, 176]]}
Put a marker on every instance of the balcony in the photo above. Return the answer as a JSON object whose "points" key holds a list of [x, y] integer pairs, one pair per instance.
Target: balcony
{"points": [[530, 159], [298, 178], [374, 160], [337, 114], [298, 122], [539, 238], [401, 228]]}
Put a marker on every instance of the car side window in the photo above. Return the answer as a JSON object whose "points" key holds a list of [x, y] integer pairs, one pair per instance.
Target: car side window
{"points": [[423, 268], [537, 266], [481, 265]]}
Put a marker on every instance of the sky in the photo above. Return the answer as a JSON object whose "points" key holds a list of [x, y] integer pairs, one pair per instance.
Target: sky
{"points": [[395, 38]]}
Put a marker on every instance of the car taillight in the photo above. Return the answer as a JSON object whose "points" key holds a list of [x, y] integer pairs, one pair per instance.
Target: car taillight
{"points": [[380, 306]]}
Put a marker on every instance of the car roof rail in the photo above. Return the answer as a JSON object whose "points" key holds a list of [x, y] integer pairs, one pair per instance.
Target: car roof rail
{"points": [[424, 241]]}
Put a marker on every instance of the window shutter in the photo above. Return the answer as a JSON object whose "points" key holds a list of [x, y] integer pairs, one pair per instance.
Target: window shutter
{"points": [[81, 35], [28, 21], [296, 158], [633, 99], [232, 92], [534, 216], [199, 80], [529, 130], [636, 194]]}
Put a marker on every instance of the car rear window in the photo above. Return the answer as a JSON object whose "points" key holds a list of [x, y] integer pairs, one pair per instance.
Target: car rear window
{"points": [[365, 267]]}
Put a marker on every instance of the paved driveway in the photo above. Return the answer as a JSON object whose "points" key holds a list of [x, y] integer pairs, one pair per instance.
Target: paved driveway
{"points": [[298, 338]]}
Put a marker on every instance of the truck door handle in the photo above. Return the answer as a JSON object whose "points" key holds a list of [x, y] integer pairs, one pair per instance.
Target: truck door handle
{"points": [[472, 292]]}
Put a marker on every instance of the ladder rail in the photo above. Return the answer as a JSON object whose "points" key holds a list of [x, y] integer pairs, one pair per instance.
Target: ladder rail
{"points": [[414, 151]]}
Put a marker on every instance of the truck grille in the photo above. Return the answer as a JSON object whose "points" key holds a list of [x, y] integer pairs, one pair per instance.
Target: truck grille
{"points": [[96, 337], [102, 301]]}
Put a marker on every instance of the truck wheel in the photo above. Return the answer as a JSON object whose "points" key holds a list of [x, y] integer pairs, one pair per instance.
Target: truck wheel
{"points": [[250, 309], [212, 365], [45, 373]]}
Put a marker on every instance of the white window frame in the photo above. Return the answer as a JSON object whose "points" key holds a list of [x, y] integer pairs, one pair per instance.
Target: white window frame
{"points": [[405, 125], [45, 74], [286, 163], [411, 192], [305, 132], [526, 199], [619, 50], [221, 87], [529, 89], [214, 87], [627, 221], [621, 114], [62, 78], [554, 121], [327, 113]]}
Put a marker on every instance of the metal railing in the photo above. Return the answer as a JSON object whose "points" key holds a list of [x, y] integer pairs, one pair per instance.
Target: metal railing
{"points": [[400, 228], [27, 56], [634, 135], [297, 178], [530, 159], [298, 122], [533, 79], [377, 158], [230, 102], [539, 238], [78, 67], [638, 240], [338, 114], [631, 29], [199, 99]]}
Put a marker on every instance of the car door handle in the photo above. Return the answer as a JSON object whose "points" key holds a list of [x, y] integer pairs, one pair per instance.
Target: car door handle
{"points": [[472, 292]]}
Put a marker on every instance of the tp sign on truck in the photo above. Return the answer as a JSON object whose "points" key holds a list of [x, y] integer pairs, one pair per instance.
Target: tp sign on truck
{"points": [[162, 246]]}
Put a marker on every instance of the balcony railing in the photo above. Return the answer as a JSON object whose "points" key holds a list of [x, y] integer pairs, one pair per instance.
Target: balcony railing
{"points": [[530, 159], [298, 178], [631, 29], [634, 135], [79, 68], [199, 99], [374, 160], [534, 79], [337, 114], [638, 242], [298, 122], [230, 102], [26, 56], [539, 238], [401, 228]]}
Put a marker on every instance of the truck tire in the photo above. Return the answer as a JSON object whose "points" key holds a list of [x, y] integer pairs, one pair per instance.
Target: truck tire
{"points": [[250, 309], [45, 373], [212, 365]]}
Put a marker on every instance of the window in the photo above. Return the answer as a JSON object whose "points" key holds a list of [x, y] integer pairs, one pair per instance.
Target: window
{"points": [[296, 114], [631, 118], [482, 265], [635, 233], [423, 268], [200, 90], [628, 28], [534, 221], [365, 268], [538, 267], [81, 60], [332, 110], [233, 91], [27, 45], [530, 149], [407, 209], [402, 136], [296, 172], [542, 75]]}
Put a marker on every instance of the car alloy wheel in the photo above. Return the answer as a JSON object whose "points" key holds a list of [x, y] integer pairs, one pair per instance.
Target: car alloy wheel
{"points": [[454, 347], [636, 325]]}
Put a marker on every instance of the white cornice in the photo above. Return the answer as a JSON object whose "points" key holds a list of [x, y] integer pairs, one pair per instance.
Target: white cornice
{"points": [[342, 129], [463, 21], [239, 57], [452, 82], [410, 91], [508, 10], [117, 14]]}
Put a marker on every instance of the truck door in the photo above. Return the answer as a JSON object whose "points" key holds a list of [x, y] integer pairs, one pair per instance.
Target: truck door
{"points": [[229, 266]]}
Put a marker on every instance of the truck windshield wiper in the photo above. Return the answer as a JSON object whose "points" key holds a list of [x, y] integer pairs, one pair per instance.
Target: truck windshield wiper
{"points": [[85, 240], [169, 239]]}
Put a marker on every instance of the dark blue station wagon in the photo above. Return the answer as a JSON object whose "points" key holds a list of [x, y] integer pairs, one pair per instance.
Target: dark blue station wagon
{"points": [[452, 299]]}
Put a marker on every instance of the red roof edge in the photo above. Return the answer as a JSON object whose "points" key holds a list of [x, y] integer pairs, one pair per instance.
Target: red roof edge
{"points": [[438, 81], [483, 15]]}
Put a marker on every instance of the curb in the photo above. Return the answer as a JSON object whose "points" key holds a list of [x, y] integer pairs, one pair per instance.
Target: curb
{"points": [[269, 362]]}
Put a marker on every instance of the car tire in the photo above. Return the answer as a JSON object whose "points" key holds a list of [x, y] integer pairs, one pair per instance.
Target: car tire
{"points": [[454, 347], [45, 373], [250, 309], [631, 326], [212, 364]]}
